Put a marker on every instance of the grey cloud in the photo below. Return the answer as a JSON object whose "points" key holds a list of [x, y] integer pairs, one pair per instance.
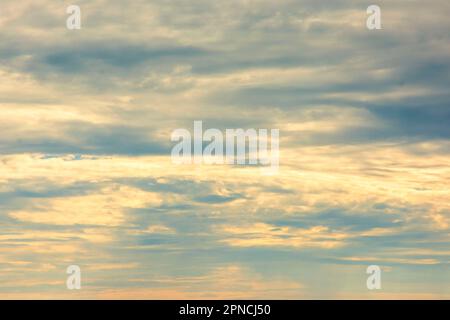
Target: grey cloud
{"points": [[83, 138]]}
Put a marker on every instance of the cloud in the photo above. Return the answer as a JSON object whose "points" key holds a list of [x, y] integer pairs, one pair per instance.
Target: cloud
{"points": [[85, 170], [93, 209], [261, 235]]}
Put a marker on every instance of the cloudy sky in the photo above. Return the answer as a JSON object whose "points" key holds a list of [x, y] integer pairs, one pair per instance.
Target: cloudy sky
{"points": [[86, 176]]}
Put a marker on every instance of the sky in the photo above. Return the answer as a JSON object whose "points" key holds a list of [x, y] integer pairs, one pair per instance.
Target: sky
{"points": [[86, 176]]}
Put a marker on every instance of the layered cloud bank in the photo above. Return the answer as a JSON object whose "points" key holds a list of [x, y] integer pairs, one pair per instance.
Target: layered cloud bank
{"points": [[86, 175]]}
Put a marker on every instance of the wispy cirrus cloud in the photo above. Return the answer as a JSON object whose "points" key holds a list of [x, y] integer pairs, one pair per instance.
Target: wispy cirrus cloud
{"points": [[85, 170]]}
